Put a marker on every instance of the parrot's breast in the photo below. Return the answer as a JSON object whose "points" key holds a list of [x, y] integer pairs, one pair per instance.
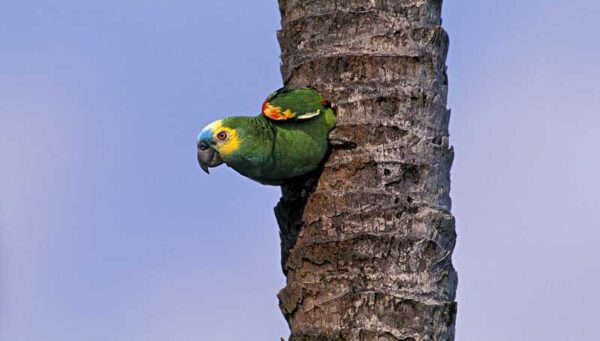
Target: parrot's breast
{"points": [[284, 150]]}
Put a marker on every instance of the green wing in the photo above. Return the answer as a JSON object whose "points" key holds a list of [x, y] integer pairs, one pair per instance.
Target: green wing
{"points": [[298, 104]]}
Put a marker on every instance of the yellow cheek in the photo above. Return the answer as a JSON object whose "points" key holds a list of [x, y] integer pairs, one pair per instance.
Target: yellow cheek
{"points": [[231, 145]]}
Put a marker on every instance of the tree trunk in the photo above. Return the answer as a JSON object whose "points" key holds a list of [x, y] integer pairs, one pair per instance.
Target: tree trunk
{"points": [[367, 243]]}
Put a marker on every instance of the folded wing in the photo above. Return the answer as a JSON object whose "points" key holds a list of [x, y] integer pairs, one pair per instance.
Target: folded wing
{"points": [[294, 104]]}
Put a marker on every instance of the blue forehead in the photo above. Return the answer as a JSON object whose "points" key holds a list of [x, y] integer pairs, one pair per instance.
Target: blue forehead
{"points": [[205, 135]]}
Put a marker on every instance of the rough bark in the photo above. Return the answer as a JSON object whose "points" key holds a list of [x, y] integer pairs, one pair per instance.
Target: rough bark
{"points": [[367, 242]]}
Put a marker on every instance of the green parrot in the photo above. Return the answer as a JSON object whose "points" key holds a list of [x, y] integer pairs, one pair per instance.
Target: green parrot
{"points": [[288, 139]]}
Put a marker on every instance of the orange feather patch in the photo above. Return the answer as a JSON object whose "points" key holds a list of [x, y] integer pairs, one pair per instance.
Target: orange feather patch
{"points": [[275, 113]]}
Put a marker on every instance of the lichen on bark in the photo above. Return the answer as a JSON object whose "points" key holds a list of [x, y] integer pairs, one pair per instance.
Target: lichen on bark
{"points": [[367, 241]]}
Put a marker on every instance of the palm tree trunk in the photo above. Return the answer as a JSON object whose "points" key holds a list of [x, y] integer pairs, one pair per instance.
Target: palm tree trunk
{"points": [[367, 244]]}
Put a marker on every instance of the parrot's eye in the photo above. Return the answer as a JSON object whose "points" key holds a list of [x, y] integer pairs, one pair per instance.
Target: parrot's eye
{"points": [[222, 136]]}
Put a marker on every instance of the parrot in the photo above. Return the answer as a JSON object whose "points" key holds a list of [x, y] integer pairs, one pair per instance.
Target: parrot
{"points": [[288, 139]]}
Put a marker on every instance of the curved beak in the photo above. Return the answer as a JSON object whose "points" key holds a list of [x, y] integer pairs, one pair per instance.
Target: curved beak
{"points": [[208, 157]]}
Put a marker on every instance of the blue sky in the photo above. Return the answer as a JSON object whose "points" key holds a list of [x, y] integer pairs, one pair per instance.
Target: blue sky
{"points": [[110, 231]]}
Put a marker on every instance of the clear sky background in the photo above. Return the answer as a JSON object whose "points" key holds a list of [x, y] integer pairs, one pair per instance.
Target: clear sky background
{"points": [[109, 231]]}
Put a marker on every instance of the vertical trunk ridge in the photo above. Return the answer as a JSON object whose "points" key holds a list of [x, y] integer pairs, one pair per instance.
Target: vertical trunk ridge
{"points": [[367, 245]]}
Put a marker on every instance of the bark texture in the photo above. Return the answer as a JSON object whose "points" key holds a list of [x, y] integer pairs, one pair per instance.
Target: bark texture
{"points": [[367, 243]]}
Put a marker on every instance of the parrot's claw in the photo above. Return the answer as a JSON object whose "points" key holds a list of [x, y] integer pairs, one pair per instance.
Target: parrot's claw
{"points": [[342, 144]]}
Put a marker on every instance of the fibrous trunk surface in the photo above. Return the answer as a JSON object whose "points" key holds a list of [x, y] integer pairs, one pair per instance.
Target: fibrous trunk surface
{"points": [[367, 245]]}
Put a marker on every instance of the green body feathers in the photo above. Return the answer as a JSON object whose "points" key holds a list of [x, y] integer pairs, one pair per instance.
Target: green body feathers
{"points": [[270, 150]]}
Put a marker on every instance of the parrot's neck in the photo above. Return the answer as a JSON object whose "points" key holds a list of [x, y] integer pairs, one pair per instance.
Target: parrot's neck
{"points": [[257, 143]]}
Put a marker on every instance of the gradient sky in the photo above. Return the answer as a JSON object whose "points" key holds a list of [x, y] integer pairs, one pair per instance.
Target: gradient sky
{"points": [[109, 231]]}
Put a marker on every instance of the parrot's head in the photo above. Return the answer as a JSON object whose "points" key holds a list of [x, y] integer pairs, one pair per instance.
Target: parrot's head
{"points": [[217, 142]]}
